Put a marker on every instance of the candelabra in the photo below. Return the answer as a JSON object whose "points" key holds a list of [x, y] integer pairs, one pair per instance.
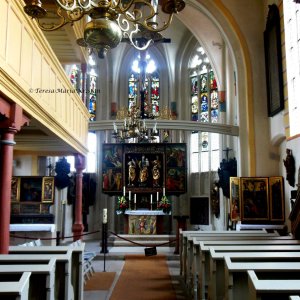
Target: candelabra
{"points": [[133, 127]]}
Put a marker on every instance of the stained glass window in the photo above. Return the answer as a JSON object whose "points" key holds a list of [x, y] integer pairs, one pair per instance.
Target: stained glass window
{"points": [[92, 98], [150, 87], [204, 108]]}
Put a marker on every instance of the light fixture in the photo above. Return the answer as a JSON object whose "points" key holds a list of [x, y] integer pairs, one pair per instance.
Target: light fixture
{"points": [[138, 21], [134, 128]]}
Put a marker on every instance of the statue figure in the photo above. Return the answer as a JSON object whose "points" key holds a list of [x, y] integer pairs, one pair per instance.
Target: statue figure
{"points": [[131, 172], [156, 172], [143, 176], [289, 164]]}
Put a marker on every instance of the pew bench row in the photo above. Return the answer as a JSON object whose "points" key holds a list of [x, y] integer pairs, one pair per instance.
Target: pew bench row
{"points": [[208, 272], [51, 273]]}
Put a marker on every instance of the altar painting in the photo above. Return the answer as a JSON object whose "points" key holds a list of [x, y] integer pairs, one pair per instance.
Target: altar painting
{"points": [[142, 224]]}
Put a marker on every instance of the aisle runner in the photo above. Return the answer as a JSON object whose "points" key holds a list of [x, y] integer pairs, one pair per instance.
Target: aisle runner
{"points": [[100, 281], [143, 278]]}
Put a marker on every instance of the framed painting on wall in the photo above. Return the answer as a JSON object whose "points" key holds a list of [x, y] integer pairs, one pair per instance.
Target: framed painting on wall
{"points": [[276, 198], [254, 198], [235, 199], [48, 189]]}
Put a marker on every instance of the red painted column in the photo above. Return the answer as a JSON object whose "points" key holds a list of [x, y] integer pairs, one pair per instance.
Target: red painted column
{"points": [[78, 226], [6, 163]]}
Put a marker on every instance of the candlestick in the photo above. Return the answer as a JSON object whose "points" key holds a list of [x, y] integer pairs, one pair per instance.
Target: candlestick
{"points": [[124, 190], [104, 215], [115, 127]]}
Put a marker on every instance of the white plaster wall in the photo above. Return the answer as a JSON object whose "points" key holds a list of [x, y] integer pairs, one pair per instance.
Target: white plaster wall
{"points": [[22, 165]]}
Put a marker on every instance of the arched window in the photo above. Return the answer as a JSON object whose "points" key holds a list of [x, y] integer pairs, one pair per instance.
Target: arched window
{"points": [[144, 86], [292, 46], [204, 108]]}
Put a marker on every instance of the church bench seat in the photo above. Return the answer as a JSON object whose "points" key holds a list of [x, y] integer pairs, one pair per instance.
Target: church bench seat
{"points": [[63, 272], [187, 238], [17, 289], [76, 266], [236, 277], [216, 279], [42, 279], [200, 270], [192, 259], [282, 289], [184, 234]]}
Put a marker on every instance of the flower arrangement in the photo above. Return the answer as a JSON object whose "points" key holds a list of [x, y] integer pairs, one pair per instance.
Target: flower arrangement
{"points": [[122, 205], [164, 204]]}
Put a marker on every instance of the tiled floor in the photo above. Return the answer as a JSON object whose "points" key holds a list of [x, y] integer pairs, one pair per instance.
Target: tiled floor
{"points": [[114, 262]]}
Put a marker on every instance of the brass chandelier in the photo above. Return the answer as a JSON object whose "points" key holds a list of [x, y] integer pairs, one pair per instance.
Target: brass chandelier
{"points": [[134, 128], [110, 21]]}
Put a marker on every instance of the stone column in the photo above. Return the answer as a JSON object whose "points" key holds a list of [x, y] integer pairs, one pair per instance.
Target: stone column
{"points": [[78, 226]]}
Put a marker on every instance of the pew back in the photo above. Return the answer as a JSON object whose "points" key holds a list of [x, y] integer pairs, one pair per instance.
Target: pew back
{"points": [[17, 289]]}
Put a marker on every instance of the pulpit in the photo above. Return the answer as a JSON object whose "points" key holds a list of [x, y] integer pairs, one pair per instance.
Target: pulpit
{"points": [[181, 224]]}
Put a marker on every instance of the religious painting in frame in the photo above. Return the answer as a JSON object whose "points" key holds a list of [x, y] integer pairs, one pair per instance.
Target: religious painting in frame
{"points": [[15, 189], [254, 198], [273, 62], [235, 199], [31, 189], [276, 198], [112, 168], [48, 190], [176, 169]]}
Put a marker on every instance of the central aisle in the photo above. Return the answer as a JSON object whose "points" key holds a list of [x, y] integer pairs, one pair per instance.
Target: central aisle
{"points": [[144, 277]]}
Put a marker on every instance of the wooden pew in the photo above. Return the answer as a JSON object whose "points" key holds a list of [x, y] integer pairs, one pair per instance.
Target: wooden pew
{"points": [[200, 272], [188, 238], [63, 285], [41, 282], [17, 289], [192, 249], [216, 280], [183, 236], [282, 289], [236, 278], [76, 266]]}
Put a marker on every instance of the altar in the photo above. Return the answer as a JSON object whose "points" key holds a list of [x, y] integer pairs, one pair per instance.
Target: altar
{"points": [[144, 221]]}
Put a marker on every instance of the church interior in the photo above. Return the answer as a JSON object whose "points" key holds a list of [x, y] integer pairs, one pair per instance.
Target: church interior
{"points": [[166, 129]]}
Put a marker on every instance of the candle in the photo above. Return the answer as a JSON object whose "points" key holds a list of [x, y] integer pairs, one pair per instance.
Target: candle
{"points": [[115, 127], [125, 123], [134, 198], [157, 196], [164, 191], [129, 195], [104, 215], [124, 192], [151, 198]]}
